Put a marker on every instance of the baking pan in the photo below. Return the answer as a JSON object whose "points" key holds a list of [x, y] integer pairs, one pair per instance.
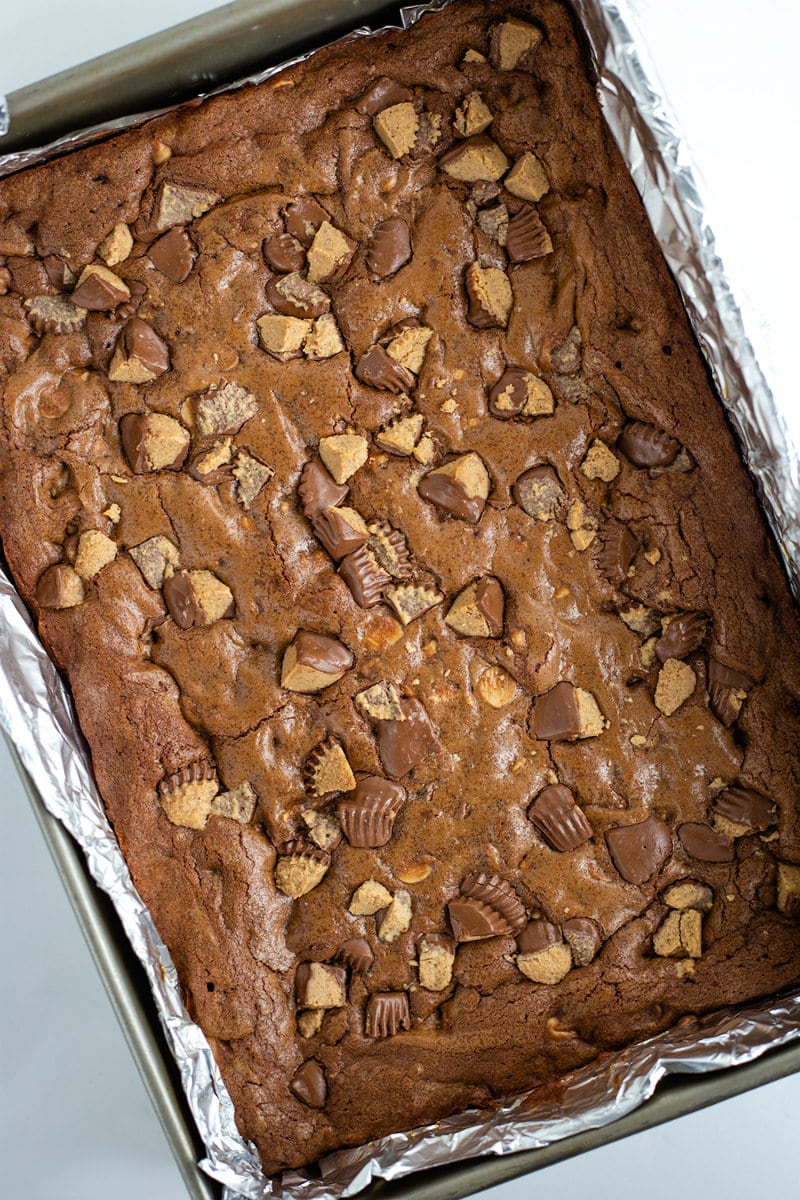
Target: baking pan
{"points": [[193, 57]]}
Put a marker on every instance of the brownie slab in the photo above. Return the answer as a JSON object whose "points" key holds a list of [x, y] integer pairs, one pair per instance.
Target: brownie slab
{"points": [[365, 480]]}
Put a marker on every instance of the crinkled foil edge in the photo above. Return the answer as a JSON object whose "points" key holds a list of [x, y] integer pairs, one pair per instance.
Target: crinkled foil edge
{"points": [[36, 712]]}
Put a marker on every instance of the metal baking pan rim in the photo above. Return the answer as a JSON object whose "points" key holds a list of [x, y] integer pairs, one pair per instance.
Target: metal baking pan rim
{"points": [[165, 69]]}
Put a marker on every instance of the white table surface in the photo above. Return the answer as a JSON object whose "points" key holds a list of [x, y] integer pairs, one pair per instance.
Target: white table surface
{"points": [[75, 1122]]}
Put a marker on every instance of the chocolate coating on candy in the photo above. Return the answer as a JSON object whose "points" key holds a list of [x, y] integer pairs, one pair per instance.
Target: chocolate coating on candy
{"points": [[283, 253], [558, 818], [367, 818], [318, 489], [357, 953], [487, 907], [537, 936], [704, 843], [378, 369], [99, 289], [539, 493], [565, 713], [173, 254], [618, 548], [383, 93], [638, 851], [683, 635], [323, 653], [387, 1014], [153, 441], [338, 535], [390, 248], [403, 745], [366, 579], [526, 236], [742, 806], [727, 690], [303, 218], [584, 939], [293, 296], [310, 1085], [647, 446]]}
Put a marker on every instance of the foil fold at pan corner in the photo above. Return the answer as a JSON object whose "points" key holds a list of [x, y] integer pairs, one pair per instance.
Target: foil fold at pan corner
{"points": [[36, 711]]}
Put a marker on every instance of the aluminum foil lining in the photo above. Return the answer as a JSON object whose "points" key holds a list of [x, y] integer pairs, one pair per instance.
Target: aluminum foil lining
{"points": [[36, 712]]}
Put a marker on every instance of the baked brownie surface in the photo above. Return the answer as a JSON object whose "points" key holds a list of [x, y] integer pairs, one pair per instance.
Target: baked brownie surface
{"points": [[367, 484]]}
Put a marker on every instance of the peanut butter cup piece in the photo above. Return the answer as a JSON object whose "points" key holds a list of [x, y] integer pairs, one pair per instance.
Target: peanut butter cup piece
{"points": [[153, 442], [566, 713], [60, 586], [520, 393], [487, 907], [387, 1014], [173, 254], [179, 205], [376, 368], [559, 819], [475, 160], [343, 454], [702, 842], [186, 797], [542, 954], [283, 337], [310, 1085], [328, 770], [239, 804], [527, 179], [460, 487], [99, 289], [727, 691], [283, 253], [140, 355], [54, 314], [320, 985], [381, 702], [341, 531], [404, 744], [300, 867], [294, 296], [646, 445], [788, 900], [329, 254], [318, 489], [390, 248], [472, 117], [401, 435], [616, 551], [526, 237], [389, 548], [739, 811], [539, 493], [212, 465], [251, 474], [436, 955], [583, 938], [490, 297], [397, 126], [637, 851], [683, 635], [383, 93], [368, 817], [365, 578], [676, 684], [395, 919], [512, 44], [412, 600], [680, 935], [224, 408], [95, 551], [59, 272], [303, 218], [477, 611], [688, 893], [197, 598], [157, 558], [357, 953], [313, 661]]}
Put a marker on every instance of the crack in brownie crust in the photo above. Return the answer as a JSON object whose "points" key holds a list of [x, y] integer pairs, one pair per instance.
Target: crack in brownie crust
{"points": [[367, 484]]}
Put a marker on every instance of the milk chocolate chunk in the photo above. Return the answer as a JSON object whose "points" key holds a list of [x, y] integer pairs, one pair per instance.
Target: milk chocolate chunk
{"points": [[387, 1014], [178, 205], [313, 661], [617, 550], [328, 770], [683, 635], [186, 797], [702, 842], [320, 985], [646, 445], [436, 954], [583, 938], [520, 393], [559, 819], [487, 907], [475, 160], [283, 253], [54, 314], [404, 744], [477, 611], [490, 297], [157, 558], [59, 272], [153, 442], [140, 355], [383, 93], [318, 489], [740, 810], [60, 586], [366, 579], [197, 598], [300, 867], [460, 487], [727, 691], [512, 44], [368, 817], [357, 953], [303, 218], [390, 248], [566, 713], [638, 851], [310, 1085], [526, 236], [173, 254], [341, 531], [389, 548], [99, 289], [539, 493], [376, 368]]}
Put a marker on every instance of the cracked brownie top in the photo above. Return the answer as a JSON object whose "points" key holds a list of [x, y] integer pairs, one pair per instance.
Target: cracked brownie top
{"points": [[367, 483]]}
